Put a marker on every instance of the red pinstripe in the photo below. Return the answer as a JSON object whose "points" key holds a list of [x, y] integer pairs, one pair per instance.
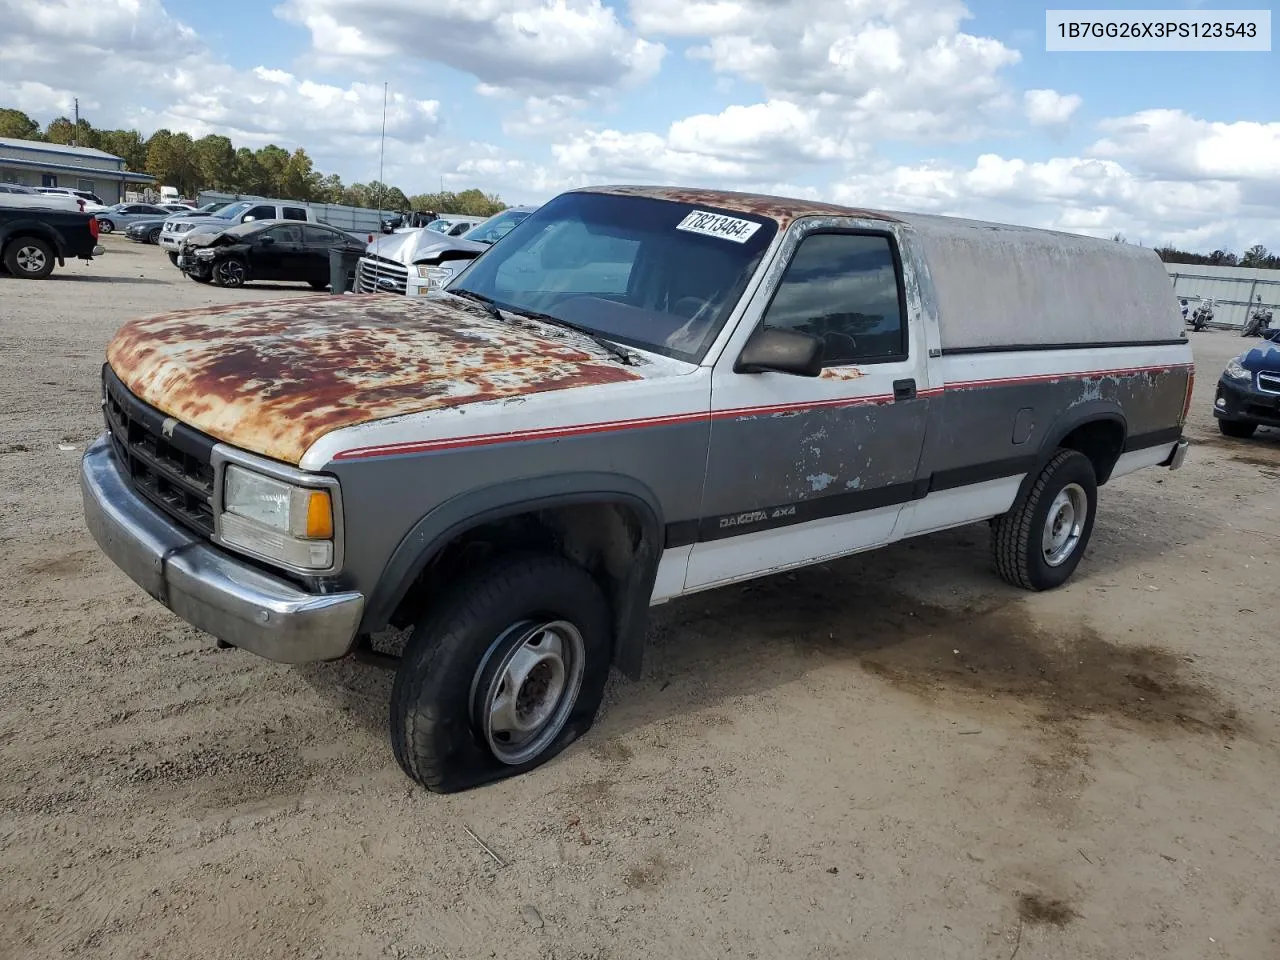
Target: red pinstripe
{"points": [[612, 426]]}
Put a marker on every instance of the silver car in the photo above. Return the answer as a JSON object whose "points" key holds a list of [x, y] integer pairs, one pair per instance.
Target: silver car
{"points": [[120, 215]]}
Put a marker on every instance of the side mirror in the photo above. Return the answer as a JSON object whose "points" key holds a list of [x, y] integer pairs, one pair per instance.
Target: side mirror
{"points": [[248, 219], [775, 350], [267, 241]]}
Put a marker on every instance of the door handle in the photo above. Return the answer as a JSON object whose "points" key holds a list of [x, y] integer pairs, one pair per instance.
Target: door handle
{"points": [[904, 389]]}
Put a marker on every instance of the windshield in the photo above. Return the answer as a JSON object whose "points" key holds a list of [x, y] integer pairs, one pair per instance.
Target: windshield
{"points": [[654, 274], [439, 226], [496, 227], [226, 213]]}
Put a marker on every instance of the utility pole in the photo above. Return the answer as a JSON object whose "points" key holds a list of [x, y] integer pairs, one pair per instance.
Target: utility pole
{"points": [[75, 133], [382, 151]]}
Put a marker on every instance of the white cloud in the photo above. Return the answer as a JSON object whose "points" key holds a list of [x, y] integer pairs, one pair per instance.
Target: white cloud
{"points": [[1175, 144], [1079, 194], [1049, 108], [742, 145], [887, 68], [538, 47]]}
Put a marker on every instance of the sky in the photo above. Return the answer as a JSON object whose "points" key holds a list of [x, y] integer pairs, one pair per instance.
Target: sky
{"points": [[935, 106]]}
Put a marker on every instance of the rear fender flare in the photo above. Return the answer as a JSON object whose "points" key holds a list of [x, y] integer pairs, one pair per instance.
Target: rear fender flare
{"points": [[1092, 412]]}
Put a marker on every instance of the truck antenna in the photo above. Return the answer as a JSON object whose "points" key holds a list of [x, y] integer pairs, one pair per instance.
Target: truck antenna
{"points": [[382, 152]]}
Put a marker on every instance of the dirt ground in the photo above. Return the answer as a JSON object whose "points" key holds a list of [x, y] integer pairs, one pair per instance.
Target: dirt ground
{"points": [[894, 756]]}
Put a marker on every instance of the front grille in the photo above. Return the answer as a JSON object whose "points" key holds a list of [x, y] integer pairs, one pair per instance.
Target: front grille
{"points": [[376, 274], [168, 463], [1269, 382]]}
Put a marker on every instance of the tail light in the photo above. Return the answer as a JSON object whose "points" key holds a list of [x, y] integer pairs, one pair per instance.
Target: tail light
{"points": [[93, 227]]}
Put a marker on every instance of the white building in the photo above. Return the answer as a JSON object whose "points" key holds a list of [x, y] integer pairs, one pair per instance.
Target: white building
{"points": [[1232, 289], [38, 164]]}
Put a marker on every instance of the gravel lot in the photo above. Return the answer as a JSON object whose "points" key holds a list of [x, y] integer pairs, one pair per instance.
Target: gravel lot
{"points": [[895, 756]]}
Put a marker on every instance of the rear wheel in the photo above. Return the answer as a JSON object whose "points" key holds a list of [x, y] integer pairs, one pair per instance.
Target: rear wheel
{"points": [[105, 226], [230, 272], [1038, 544], [154, 236], [502, 675], [1239, 429], [318, 284], [29, 257]]}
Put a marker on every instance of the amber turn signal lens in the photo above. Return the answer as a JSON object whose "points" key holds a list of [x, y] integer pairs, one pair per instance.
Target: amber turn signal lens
{"points": [[319, 515]]}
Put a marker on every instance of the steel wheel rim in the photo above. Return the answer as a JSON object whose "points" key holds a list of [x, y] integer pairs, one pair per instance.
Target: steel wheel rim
{"points": [[1064, 526], [532, 692], [106, 226], [30, 259]]}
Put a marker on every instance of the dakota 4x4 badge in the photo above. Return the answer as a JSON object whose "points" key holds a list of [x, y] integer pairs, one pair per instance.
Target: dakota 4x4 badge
{"points": [[757, 516], [718, 225]]}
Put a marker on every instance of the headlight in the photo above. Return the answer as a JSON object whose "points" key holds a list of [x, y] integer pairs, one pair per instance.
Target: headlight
{"points": [[438, 276], [276, 520], [205, 253], [1235, 370]]}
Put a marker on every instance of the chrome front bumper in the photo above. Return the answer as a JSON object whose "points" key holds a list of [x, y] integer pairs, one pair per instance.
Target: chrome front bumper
{"points": [[205, 586]]}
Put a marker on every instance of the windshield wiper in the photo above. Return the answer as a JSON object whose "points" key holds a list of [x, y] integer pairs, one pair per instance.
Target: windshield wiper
{"points": [[615, 351]]}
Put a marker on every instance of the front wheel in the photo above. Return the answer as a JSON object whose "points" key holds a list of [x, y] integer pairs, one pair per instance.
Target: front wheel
{"points": [[173, 257], [317, 284], [1238, 429], [502, 675], [154, 236], [1039, 542], [105, 226], [230, 273]]}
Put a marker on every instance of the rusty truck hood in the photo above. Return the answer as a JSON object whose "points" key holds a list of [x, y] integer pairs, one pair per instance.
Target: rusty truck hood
{"points": [[273, 377]]}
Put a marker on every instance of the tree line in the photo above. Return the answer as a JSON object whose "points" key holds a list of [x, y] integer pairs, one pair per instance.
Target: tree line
{"points": [[215, 163], [1255, 256]]}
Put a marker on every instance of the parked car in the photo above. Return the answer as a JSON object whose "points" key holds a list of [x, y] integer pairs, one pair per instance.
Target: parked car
{"points": [[149, 231], [33, 239], [452, 226], [241, 211], [120, 215], [639, 393], [265, 250], [92, 202], [1248, 394], [416, 262], [16, 195]]}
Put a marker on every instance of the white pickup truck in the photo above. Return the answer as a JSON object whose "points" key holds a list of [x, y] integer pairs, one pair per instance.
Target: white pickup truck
{"points": [[639, 393]]}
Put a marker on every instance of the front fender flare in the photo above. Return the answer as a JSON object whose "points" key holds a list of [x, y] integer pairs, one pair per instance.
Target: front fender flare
{"points": [[432, 532]]}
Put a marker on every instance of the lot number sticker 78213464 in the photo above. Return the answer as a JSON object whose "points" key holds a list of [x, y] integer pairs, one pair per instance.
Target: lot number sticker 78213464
{"points": [[718, 225]]}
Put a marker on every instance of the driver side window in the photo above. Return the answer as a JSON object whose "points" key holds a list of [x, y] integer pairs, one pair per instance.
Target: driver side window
{"points": [[845, 289]]}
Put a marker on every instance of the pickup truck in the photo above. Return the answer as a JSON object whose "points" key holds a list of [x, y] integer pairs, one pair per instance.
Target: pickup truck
{"points": [[32, 239], [640, 393]]}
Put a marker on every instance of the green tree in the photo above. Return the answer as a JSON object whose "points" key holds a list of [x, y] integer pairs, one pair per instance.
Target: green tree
{"points": [[328, 189], [249, 176], [296, 179], [272, 160], [475, 203], [356, 195], [171, 159], [19, 126], [126, 144], [60, 130], [216, 162], [1255, 256]]}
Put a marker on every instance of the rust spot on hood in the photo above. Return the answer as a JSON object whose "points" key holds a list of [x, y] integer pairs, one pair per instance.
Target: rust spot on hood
{"points": [[274, 377], [781, 209]]}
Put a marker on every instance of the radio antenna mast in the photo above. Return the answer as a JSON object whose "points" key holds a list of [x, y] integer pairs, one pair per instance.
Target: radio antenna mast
{"points": [[382, 152]]}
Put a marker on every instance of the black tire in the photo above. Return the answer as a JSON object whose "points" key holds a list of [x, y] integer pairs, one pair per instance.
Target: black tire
{"points": [[1017, 536], [29, 258], [231, 272], [154, 236], [1238, 429], [105, 226], [173, 257], [455, 651], [317, 284]]}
